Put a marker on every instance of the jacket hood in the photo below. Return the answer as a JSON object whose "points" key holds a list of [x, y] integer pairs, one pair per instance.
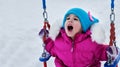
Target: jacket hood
{"points": [[96, 31]]}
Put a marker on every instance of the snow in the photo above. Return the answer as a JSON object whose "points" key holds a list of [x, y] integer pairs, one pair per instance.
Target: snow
{"points": [[21, 20]]}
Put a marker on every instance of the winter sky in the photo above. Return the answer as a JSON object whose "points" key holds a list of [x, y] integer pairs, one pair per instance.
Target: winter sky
{"points": [[21, 21]]}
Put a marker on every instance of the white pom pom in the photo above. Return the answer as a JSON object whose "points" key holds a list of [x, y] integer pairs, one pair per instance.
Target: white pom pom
{"points": [[98, 33], [55, 29]]}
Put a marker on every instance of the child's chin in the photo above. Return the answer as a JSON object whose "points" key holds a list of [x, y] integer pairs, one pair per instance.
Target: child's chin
{"points": [[70, 35]]}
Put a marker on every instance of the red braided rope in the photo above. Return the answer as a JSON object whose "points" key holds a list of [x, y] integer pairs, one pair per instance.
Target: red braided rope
{"points": [[45, 27], [112, 34], [45, 64]]}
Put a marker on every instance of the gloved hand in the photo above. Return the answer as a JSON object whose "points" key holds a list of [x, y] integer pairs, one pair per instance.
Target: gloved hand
{"points": [[44, 34], [112, 52]]}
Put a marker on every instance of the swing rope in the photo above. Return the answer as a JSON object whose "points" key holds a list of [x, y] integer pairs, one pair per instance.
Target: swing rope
{"points": [[112, 42], [112, 25], [44, 33]]}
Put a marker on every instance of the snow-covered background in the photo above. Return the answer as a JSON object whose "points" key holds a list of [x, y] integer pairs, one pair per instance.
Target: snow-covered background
{"points": [[21, 20]]}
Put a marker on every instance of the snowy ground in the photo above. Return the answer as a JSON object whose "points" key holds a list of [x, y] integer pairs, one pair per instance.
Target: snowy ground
{"points": [[21, 20]]}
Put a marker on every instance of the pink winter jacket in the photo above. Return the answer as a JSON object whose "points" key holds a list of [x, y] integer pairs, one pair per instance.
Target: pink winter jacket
{"points": [[82, 52]]}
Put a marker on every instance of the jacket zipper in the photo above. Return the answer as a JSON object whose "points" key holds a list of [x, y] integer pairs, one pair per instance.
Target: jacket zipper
{"points": [[72, 49], [73, 55]]}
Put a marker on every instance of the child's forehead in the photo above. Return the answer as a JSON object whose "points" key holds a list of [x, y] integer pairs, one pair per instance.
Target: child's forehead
{"points": [[72, 15]]}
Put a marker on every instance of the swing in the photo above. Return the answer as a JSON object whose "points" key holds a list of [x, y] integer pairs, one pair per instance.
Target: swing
{"points": [[112, 42], [45, 31]]}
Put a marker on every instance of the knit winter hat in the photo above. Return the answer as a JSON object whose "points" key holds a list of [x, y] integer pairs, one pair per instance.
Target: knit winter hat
{"points": [[84, 18]]}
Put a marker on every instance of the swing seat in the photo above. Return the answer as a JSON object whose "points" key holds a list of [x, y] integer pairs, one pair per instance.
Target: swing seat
{"points": [[45, 57], [115, 62]]}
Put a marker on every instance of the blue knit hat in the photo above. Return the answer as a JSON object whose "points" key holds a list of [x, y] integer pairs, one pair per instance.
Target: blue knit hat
{"points": [[84, 18]]}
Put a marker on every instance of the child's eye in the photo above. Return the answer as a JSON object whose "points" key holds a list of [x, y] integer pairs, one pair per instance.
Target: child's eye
{"points": [[76, 19], [67, 18]]}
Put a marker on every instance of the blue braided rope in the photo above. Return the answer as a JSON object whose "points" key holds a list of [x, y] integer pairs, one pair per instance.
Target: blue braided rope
{"points": [[44, 4], [112, 3]]}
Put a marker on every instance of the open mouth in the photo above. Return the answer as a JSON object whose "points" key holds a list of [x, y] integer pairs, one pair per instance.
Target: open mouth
{"points": [[70, 28]]}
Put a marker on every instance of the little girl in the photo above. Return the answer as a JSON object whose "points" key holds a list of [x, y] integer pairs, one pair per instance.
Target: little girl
{"points": [[75, 45]]}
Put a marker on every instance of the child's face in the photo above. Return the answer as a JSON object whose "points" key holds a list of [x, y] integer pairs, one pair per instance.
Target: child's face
{"points": [[72, 26]]}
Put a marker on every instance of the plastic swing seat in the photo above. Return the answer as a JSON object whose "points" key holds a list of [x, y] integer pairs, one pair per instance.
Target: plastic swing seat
{"points": [[45, 57]]}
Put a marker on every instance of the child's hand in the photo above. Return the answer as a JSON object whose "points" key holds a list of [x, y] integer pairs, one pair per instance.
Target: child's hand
{"points": [[112, 52], [44, 34]]}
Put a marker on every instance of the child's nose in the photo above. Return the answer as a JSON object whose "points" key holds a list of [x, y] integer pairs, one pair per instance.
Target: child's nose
{"points": [[71, 20]]}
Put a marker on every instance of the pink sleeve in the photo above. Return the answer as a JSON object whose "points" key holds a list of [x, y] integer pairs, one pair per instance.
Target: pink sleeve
{"points": [[59, 63], [100, 52], [50, 46]]}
